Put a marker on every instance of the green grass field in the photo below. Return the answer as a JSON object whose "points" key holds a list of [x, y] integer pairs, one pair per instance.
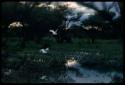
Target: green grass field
{"points": [[103, 55]]}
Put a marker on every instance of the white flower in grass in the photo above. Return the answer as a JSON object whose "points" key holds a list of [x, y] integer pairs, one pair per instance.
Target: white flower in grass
{"points": [[8, 72], [15, 24], [72, 63], [44, 51], [43, 78]]}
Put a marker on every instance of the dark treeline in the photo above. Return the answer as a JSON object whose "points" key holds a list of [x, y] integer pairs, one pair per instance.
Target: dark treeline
{"points": [[37, 21]]}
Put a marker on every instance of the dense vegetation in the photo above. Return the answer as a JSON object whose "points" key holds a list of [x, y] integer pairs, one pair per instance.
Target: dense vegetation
{"points": [[20, 46]]}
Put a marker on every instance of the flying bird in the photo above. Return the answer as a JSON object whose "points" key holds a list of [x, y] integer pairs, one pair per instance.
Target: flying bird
{"points": [[53, 32]]}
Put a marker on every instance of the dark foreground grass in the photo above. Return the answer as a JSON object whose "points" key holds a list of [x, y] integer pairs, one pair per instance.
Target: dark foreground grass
{"points": [[29, 65]]}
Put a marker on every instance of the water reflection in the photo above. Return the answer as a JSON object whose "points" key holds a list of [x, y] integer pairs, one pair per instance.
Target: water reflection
{"points": [[83, 75]]}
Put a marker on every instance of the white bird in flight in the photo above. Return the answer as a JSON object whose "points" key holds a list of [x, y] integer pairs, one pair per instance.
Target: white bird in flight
{"points": [[53, 32]]}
